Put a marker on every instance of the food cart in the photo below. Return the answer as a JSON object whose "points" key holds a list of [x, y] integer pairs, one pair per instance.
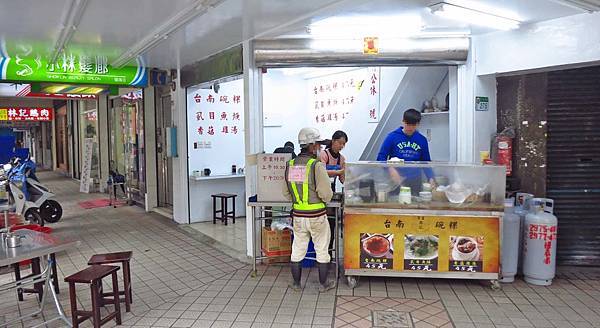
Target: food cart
{"points": [[396, 224]]}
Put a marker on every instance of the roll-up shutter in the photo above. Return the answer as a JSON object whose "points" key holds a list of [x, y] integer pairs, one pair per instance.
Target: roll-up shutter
{"points": [[573, 172]]}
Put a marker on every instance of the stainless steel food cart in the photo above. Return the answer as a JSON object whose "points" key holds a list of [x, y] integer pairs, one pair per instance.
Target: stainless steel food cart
{"points": [[397, 224]]}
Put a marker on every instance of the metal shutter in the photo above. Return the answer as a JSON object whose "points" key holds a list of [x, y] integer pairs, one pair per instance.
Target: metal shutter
{"points": [[573, 172]]}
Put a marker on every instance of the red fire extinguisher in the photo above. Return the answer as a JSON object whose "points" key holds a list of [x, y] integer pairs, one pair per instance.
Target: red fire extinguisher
{"points": [[502, 149]]}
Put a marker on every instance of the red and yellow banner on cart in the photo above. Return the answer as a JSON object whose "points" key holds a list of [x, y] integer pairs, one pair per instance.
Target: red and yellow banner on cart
{"points": [[422, 243]]}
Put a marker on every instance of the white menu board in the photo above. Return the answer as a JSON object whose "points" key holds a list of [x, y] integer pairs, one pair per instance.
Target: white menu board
{"points": [[216, 127], [344, 97], [271, 177]]}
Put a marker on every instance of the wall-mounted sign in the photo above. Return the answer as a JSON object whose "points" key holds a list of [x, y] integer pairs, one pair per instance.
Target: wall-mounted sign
{"points": [[371, 46], [60, 95], [338, 99], [70, 68], [482, 104], [26, 114]]}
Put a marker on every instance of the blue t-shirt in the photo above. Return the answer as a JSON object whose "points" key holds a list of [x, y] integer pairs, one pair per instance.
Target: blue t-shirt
{"points": [[409, 148]]}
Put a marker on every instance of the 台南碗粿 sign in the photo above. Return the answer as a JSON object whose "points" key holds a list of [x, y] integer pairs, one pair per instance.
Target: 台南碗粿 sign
{"points": [[26, 114], [70, 68]]}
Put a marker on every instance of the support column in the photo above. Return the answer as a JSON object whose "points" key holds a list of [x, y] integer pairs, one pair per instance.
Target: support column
{"points": [[253, 129], [180, 163], [465, 110], [103, 139], [150, 148]]}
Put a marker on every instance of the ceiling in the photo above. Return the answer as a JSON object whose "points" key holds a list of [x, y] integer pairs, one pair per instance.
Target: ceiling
{"points": [[112, 27]]}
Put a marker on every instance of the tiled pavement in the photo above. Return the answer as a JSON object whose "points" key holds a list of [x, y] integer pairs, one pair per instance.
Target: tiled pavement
{"points": [[182, 281]]}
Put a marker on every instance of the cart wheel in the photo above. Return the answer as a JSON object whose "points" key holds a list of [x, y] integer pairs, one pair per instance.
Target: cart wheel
{"points": [[352, 281], [495, 284]]}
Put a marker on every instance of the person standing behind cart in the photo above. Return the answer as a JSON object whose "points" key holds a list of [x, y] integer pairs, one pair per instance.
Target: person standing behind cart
{"points": [[307, 185], [334, 161], [408, 144]]}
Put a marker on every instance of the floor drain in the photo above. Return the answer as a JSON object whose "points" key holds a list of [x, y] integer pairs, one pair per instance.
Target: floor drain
{"points": [[391, 319]]}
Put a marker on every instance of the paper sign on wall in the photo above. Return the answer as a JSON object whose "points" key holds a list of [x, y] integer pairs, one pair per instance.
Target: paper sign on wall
{"points": [[271, 177], [334, 98]]}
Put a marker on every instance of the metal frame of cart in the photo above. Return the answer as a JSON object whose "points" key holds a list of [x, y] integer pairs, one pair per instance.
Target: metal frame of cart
{"points": [[352, 275], [257, 217]]}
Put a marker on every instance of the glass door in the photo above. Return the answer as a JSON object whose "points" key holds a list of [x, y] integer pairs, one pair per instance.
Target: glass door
{"points": [[127, 155]]}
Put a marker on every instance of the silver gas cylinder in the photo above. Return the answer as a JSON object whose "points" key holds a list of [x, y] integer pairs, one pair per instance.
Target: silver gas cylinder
{"points": [[539, 242], [511, 228]]}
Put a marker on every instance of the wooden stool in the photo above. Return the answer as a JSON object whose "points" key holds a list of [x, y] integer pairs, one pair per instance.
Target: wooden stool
{"points": [[36, 269], [224, 214], [124, 258], [93, 276]]}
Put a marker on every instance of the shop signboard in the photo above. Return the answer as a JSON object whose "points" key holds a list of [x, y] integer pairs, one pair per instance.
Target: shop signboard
{"points": [[429, 244], [71, 68], [34, 114]]}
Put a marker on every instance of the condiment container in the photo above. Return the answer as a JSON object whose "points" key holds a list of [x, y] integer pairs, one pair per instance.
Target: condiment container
{"points": [[13, 241], [426, 196], [426, 186], [405, 195]]}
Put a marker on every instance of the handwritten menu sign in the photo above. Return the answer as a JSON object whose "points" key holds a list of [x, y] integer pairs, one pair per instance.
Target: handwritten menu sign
{"points": [[271, 177], [216, 127], [333, 99]]}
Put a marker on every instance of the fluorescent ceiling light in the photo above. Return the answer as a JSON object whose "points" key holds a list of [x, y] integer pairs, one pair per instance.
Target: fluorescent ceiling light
{"points": [[585, 5], [69, 24], [473, 16], [364, 26], [164, 30]]}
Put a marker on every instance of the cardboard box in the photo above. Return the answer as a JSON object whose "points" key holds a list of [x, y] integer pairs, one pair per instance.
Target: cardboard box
{"points": [[276, 259], [276, 242]]}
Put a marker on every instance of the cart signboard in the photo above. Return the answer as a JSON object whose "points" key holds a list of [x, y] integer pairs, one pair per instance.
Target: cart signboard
{"points": [[454, 246]]}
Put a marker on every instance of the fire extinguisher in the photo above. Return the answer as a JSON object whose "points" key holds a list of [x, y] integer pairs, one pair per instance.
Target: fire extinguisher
{"points": [[502, 146]]}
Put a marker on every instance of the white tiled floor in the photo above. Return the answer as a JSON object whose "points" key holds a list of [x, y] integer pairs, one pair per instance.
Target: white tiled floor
{"points": [[180, 280], [231, 235]]}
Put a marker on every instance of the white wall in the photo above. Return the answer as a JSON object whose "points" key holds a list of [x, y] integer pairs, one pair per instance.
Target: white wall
{"points": [[286, 95], [563, 41], [284, 108], [551, 45], [415, 85], [485, 121]]}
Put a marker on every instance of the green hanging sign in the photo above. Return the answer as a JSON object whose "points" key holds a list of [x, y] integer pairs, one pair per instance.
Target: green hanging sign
{"points": [[70, 68]]}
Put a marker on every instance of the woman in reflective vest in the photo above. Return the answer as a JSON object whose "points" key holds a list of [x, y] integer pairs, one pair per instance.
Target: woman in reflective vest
{"points": [[308, 186]]}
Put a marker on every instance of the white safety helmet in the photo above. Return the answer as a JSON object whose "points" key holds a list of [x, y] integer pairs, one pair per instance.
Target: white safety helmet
{"points": [[308, 136]]}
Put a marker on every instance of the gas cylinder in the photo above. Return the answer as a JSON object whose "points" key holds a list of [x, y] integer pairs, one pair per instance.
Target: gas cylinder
{"points": [[511, 227], [521, 209], [539, 242]]}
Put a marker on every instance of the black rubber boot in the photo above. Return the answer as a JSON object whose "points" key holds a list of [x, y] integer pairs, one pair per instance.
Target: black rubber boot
{"points": [[296, 268], [325, 284]]}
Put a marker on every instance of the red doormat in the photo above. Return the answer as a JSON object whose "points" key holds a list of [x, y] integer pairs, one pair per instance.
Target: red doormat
{"points": [[100, 202]]}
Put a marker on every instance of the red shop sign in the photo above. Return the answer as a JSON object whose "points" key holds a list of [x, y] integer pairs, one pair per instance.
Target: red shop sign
{"points": [[36, 114]]}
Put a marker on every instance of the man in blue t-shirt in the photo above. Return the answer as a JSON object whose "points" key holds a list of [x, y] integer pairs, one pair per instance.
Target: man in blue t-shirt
{"points": [[408, 144]]}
